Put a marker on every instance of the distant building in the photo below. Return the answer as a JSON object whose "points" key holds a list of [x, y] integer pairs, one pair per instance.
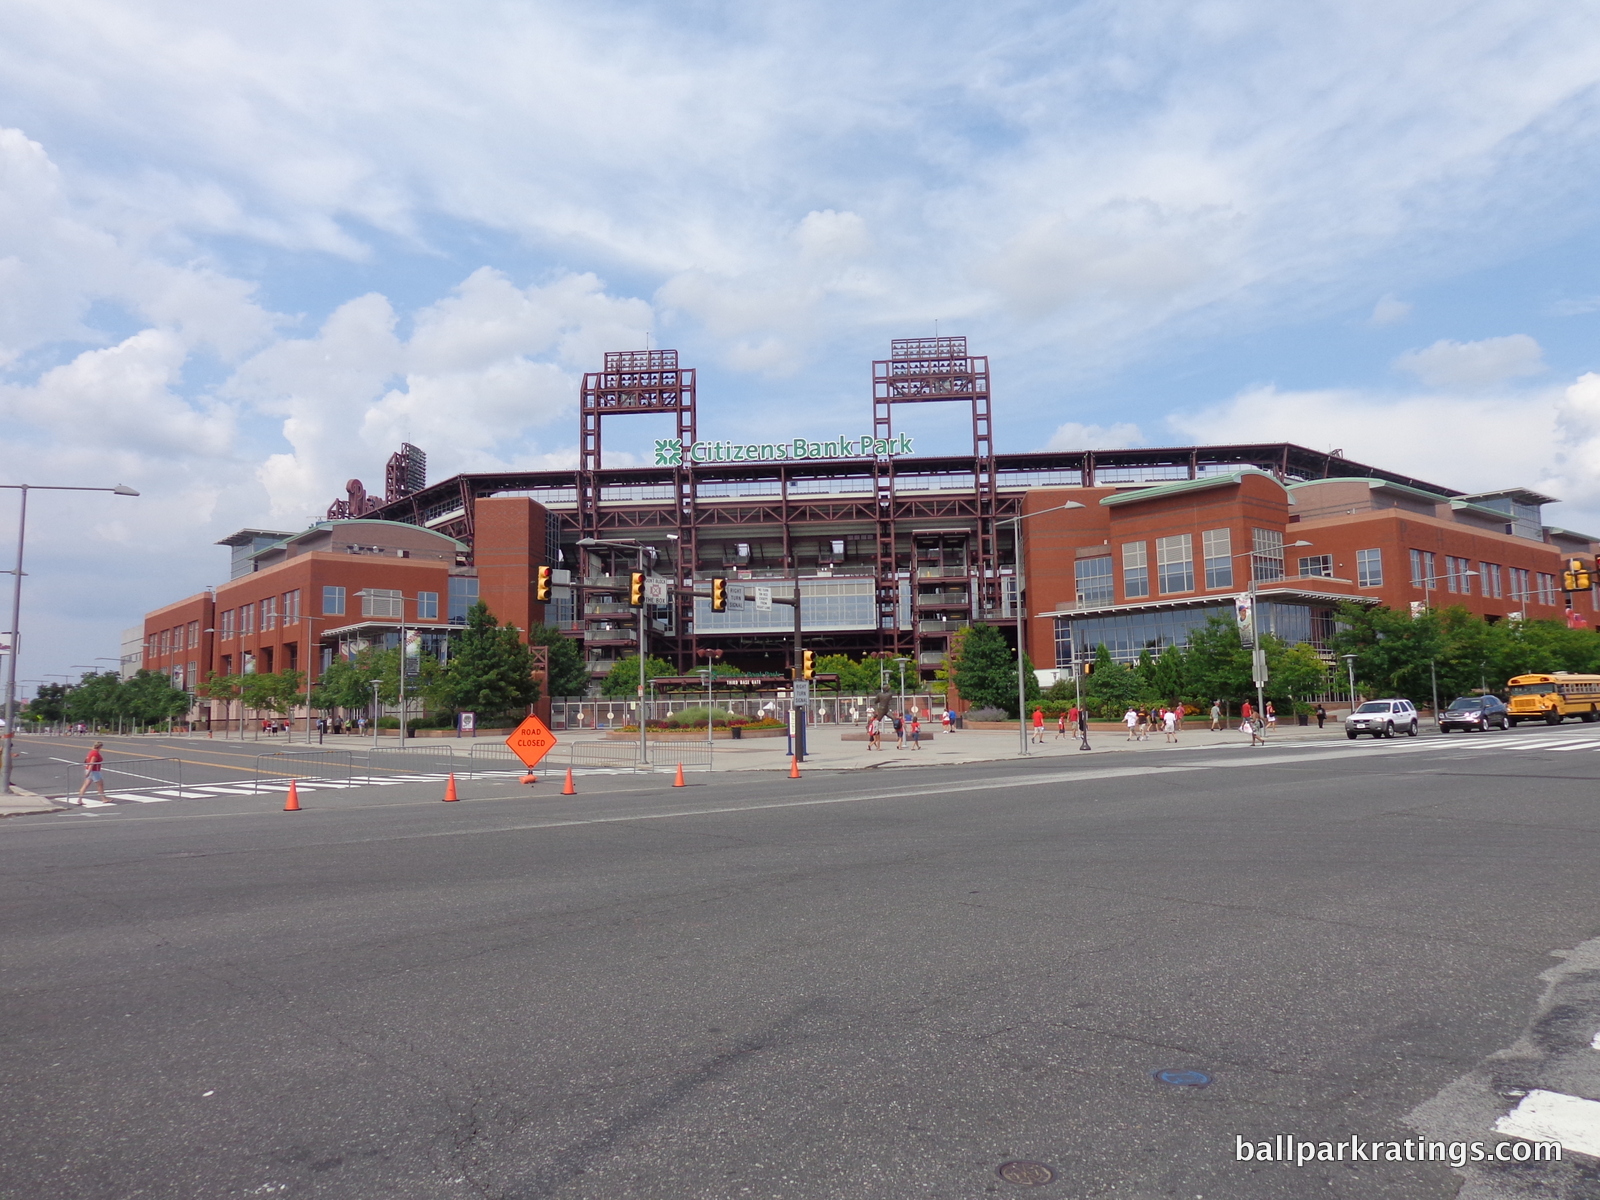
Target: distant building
{"points": [[893, 553], [1138, 568]]}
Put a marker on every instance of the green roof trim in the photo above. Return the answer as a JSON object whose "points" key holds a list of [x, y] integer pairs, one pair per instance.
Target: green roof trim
{"points": [[320, 526], [1162, 490], [1377, 485]]}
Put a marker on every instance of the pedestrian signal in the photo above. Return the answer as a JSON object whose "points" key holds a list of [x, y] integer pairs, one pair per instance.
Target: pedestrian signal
{"points": [[719, 595], [636, 589], [808, 663], [541, 590]]}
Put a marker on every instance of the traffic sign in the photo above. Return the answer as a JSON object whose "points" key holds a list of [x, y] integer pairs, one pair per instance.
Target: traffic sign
{"points": [[763, 599], [802, 691], [656, 591], [531, 741]]}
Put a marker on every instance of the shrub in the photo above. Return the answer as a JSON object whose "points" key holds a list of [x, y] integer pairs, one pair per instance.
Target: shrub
{"points": [[690, 717]]}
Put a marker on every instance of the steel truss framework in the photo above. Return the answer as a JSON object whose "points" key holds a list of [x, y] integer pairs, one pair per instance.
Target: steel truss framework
{"points": [[882, 499]]}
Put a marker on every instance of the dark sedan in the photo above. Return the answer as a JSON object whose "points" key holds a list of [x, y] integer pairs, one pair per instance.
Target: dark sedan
{"points": [[1473, 712]]}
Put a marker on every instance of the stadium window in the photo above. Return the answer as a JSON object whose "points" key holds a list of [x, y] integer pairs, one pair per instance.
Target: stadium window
{"points": [[1369, 568], [1175, 564], [1135, 571], [332, 601], [427, 606], [1217, 546], [1318, 566]]}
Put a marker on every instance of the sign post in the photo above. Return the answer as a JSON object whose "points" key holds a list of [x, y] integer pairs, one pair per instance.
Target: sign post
{"points": [[531, 741]]}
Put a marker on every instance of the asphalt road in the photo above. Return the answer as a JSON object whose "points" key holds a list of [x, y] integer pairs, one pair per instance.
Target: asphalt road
{"points": [[853, 986]]}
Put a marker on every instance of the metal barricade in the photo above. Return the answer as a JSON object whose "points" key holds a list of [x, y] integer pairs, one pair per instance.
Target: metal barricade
{"points": [[668, 756], [303, 764], [493, 759], [613, 756], [156, 777]]}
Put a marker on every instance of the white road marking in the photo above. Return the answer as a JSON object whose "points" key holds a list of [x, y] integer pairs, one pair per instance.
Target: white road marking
{"points": [[1543, 1116]]}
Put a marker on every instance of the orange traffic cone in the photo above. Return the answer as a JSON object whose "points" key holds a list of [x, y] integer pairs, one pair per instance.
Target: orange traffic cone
{"points": [[678, 782], [794, 767], [567, 789], [530, 777], [292, 804], [450, 788]]}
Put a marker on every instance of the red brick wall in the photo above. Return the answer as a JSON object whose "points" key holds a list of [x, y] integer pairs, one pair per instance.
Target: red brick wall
{"points": [[508, 543]]}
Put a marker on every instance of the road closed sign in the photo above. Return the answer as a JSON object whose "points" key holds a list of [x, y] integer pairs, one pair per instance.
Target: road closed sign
{"points": [[531, 741]]}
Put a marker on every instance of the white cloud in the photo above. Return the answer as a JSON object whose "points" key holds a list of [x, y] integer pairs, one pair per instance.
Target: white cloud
{"points": [[1483, 364], [1389, 311], [1547, 438], [57, 260], [1075, 436], [483, 369]]}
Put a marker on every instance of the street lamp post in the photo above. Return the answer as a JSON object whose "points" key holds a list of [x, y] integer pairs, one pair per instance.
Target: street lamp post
{"points": [[1350, 666], [9, 751], [902, 662], [402, 689], [1022, 619], [1427, 603]]}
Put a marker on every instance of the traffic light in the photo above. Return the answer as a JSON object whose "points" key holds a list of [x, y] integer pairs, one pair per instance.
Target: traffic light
{"points": [[636, 589], [719, 595], [541, 590], [808, 663], [1577, 577], [1088, 668]]}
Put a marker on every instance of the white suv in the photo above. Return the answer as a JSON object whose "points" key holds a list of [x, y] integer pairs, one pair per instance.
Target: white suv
{"points": [[1382, 718]]}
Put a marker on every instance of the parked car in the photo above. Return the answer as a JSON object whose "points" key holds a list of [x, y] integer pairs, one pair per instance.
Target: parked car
{"points": [[1381, 718], [1474, 712]]}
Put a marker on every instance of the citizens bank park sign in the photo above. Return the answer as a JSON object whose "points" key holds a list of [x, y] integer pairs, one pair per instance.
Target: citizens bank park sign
{"points": [[672, 452]]}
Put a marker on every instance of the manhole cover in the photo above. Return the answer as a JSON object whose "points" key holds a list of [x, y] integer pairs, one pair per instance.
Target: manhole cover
{"points": [[1194, 1079], [1026, 1174]]}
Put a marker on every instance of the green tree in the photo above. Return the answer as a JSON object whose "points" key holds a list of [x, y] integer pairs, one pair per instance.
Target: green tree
{"points": [[1169, 676], [1217, 666], [569, 674], [1112, 686], [150, 698], [346, 683], [623, 678], [275, 693], [1296, 672], [984, 670], [490, 671], [49, 703], [96, 700]]}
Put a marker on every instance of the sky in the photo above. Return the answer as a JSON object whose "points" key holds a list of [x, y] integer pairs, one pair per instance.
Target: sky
{"points": [[246, 250]]}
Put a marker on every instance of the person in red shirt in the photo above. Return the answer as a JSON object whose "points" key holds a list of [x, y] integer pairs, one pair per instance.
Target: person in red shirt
{"points": [[1038, 725], [92, 763]]}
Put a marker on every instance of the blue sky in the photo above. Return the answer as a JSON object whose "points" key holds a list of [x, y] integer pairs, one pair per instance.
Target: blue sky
{"points": [[246, 250]]}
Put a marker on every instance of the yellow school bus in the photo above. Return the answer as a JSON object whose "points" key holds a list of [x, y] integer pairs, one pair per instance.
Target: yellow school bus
{"points": [[1553, 698]]}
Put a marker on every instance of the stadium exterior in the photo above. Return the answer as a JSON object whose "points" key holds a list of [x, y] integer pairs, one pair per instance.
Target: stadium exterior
{"points": [[893, 552]]}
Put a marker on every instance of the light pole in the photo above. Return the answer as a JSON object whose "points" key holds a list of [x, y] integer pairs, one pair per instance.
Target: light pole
{"points": [[1427, 603], [9, 751], [902, 662], [1350, 666], [1022, 618], [402, 695], [644, 633], [376, 684]]}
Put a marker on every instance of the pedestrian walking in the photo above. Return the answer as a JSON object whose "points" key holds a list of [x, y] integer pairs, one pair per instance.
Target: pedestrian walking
{"points": [[1169, 725], [1216, 715], [1144, 724], [1253, 728], [1272, 716], [872, 733], [93, 762], [1322, 715], [1061, 726], [945, 719], [899, 732], [916, 732], [1245, 713], [1131, 720], [1038, 725]]}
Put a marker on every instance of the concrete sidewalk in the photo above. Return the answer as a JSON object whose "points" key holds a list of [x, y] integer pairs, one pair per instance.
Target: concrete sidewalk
{"points": [[26, 804]]}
